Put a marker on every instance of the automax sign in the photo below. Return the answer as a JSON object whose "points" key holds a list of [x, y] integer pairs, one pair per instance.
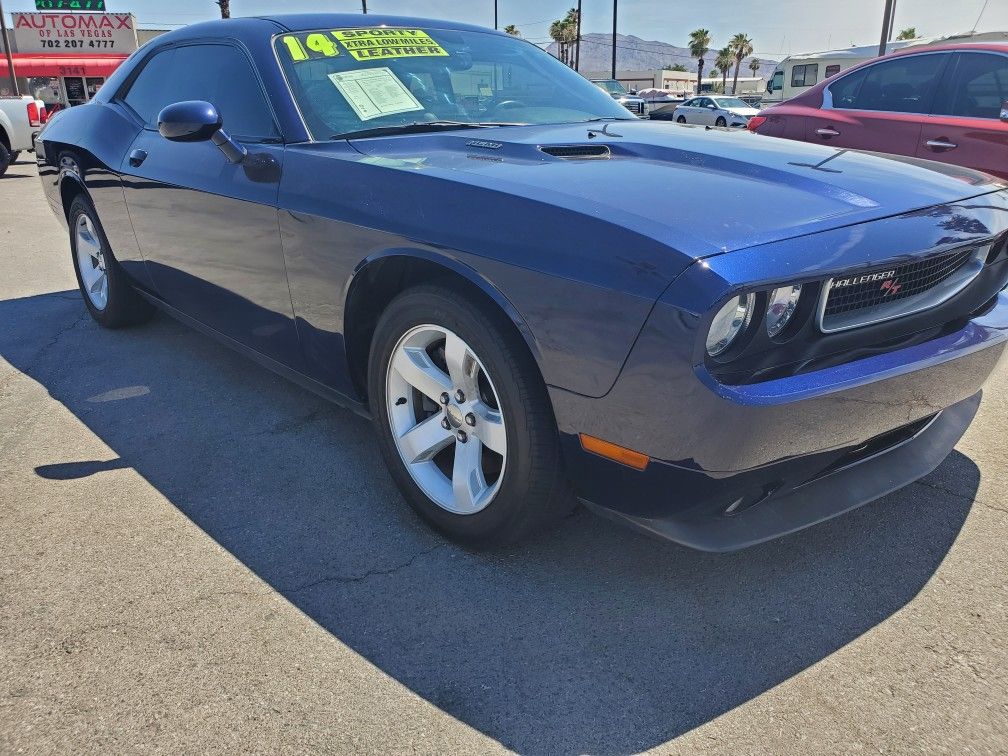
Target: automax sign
{"points": [[75, 32]]}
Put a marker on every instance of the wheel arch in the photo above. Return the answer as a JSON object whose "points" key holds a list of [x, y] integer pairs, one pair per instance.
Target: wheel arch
{"points": [[70, 185], [379, 278]]}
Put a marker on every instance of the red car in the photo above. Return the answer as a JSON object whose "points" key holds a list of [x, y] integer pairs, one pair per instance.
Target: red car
{"points": [[945, 103]]}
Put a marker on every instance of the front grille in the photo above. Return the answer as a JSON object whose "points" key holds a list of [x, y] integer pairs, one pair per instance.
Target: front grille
{"points": [[885, 293], [634, 107]]}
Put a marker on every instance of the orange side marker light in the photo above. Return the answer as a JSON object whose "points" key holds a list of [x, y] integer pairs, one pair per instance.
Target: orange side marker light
{"points": [[609, 450]]}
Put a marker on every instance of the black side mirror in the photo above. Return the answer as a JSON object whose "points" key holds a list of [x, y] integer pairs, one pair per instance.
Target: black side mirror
{"points": [[198, 121], [189, 121]]}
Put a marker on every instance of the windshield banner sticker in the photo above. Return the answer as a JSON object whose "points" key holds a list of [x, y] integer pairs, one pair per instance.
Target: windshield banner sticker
{"points": [[374, 92], [378, 43]]}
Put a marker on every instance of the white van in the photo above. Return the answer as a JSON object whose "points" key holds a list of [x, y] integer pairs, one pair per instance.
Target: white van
{"points": [[796, 73]]}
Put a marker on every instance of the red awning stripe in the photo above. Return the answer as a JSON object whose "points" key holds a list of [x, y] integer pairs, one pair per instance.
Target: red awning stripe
{"points": [[61, 65]]}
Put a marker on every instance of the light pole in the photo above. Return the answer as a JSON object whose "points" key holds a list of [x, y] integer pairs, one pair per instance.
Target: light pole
{"points": [[614, 38], [495, 14], [577, 45], [7, 51], [363, 4], [887, 19]]}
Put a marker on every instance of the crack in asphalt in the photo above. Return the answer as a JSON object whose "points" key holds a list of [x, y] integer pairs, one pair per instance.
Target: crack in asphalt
{"points": [[364, 575]]}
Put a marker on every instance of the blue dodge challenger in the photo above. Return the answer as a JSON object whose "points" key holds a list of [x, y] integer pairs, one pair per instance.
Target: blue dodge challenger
{"points": [[538, 298]]}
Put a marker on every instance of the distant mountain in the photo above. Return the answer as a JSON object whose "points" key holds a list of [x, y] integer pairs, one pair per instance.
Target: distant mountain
{"points": [[636, 54]]}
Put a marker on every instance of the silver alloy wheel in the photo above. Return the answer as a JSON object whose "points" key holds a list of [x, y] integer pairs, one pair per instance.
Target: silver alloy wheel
{"points": [[91, 262], [446, 419]]}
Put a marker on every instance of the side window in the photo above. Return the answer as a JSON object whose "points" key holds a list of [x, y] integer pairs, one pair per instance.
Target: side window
{"points": [[777, 82], [901, 85], [832, 70], [219, 74], [845, 90], [980, 86], [805, 76]]}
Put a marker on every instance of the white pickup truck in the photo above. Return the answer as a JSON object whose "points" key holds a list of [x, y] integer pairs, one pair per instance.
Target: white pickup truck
{"points": [[20, 120]]}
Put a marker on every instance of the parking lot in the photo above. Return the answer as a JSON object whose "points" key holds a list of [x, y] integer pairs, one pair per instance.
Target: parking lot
{"points": [[201, 556]]}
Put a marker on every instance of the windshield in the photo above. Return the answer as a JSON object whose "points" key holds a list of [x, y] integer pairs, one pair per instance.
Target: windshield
{"points": [[349, 80], [611, 86], [730, 102]]}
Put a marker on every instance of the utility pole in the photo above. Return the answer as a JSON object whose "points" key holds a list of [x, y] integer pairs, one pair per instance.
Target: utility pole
{"points": [[363, 4], [577, 45], [495, 14], [614, 38], [887, 18], [7, 51]]}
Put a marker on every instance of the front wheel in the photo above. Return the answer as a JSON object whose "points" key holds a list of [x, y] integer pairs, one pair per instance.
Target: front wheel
{"points": [[5, 158], [14, 157], [464, 420], [681, 119], [720, 121]]}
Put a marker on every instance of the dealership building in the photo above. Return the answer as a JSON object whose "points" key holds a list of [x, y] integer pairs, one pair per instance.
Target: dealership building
{"points": [[62, 58]]}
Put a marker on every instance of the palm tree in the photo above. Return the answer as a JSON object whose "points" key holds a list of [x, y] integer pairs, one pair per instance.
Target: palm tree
{"points": [[754, 66], [225, 8], [512, 30], [557, 34], [909, 33], [742, 47], [723, 63], [699, 45]]}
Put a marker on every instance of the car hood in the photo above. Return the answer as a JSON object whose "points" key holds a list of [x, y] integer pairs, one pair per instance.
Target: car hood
{"points": [[698, 190]]}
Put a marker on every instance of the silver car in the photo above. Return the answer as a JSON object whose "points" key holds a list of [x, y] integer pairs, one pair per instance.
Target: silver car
{"points": [[715, 110]]}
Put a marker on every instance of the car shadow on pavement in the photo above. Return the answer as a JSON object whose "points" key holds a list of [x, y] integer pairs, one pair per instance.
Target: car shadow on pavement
{"points": [[588, 639]]}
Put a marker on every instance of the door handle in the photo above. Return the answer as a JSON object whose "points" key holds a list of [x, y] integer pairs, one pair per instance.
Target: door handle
{"points": [[826, 132], [137, 157], [940, 145]]}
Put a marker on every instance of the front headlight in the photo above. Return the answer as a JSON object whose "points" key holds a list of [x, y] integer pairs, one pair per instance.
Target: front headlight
{"points": [[781, 306], [730, 321]]}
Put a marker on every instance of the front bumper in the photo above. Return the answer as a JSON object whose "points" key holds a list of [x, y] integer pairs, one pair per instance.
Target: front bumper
{"points": [[790, 496], [732, 466]]}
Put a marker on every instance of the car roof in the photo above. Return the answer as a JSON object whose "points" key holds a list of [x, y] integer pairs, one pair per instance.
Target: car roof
{"points": [[307, 21], [994, 46]]}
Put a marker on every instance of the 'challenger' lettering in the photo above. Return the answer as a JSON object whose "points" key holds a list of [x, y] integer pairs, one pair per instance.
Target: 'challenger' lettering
{"points": [[866, 278]]}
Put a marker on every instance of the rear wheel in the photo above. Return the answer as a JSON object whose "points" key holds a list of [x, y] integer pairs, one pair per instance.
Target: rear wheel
{"points": [[720, 121], [14, 157], [5, 158], [107, 292], [466, 426], [681, 119]]}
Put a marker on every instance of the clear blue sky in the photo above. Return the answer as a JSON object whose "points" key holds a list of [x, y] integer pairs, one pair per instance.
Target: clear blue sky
{"points": [[777, 26]]}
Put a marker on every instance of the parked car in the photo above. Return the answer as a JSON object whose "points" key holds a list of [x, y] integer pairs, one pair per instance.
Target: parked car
{"points": [[715, 110], [316, 194], [20, 120], [945, 103], [618, 92]]}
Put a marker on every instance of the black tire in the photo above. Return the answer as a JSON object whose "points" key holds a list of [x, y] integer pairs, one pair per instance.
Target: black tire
{"points": [[533, 492], [124, 306], [14, 157], [720, 121], [5, 158], [681, 119]]}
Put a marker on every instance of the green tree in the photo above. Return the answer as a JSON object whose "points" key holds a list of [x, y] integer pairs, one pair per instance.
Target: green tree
{"points": [[564, 32], [909, 33], [699, 46], [741, 46], [723, 63], [675, 67], [512, 30], [754, 66]]}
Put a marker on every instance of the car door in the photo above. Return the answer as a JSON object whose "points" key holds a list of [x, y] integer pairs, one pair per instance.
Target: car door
{"points": [[207, 228], [879, 107], [965, 127]]}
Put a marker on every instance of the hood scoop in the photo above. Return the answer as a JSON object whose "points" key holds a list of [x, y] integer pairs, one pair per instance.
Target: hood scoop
{"points": [[578, 151]]}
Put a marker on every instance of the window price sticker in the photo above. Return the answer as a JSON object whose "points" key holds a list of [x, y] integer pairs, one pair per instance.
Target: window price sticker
{"points": [[375, 44], [374, 92]]}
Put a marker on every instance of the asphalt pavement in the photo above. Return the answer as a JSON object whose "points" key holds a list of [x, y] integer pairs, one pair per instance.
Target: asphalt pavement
{"points": [[199, 556]]}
